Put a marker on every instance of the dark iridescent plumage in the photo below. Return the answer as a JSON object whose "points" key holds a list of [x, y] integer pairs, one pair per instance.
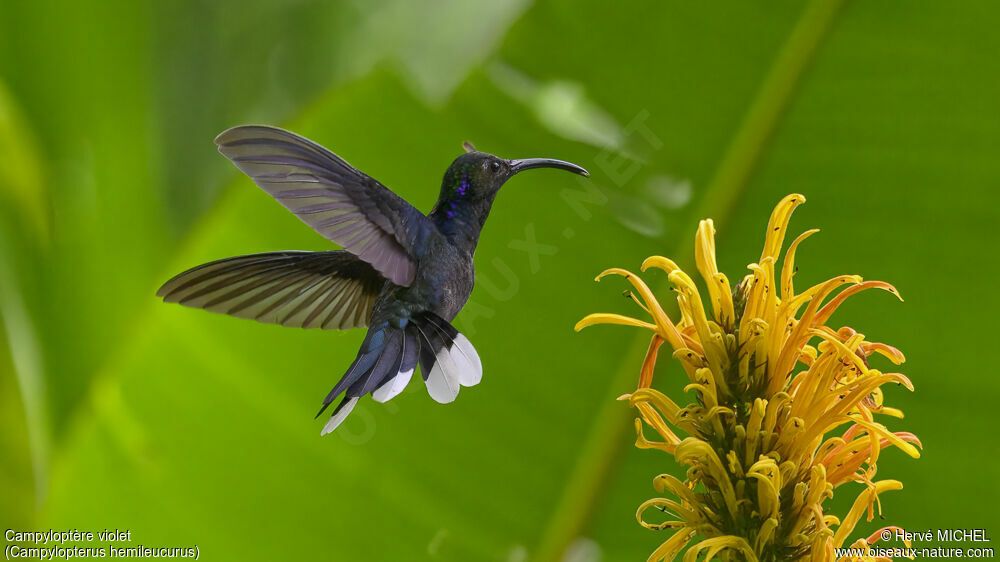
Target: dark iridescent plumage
{"points": [[401, 273]]}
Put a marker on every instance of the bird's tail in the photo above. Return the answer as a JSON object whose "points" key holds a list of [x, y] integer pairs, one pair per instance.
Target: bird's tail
{"points": [[390, 354]]}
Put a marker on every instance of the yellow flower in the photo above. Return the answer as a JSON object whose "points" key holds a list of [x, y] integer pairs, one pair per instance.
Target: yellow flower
{"points": [[784, 408]]}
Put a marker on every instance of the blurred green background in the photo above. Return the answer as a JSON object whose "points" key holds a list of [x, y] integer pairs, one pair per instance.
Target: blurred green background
{"points": [[118, 411]]}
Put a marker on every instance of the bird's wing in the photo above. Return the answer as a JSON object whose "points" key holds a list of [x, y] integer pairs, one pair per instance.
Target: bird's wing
{"points": [[330, 290], [339, 202]]}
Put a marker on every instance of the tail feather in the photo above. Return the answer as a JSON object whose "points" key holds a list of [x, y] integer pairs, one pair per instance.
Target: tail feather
{"points": [[438, 367], [392, 386], [362, 364], [389, 355], [411, 352], [340, 413], [470, 368], [450, 362]]}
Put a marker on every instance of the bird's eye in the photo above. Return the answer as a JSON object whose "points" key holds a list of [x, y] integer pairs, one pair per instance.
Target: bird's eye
{"points": [[495, 166]]}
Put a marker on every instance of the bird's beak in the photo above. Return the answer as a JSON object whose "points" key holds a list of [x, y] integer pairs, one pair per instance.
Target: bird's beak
{"points": [[532, 163]]}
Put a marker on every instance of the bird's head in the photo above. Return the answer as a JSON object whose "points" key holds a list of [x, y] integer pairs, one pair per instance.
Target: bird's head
{"points": [[479, 175]]}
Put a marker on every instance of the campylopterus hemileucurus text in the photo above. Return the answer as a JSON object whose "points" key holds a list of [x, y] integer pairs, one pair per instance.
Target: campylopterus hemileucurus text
{"points": [[403, 274]]}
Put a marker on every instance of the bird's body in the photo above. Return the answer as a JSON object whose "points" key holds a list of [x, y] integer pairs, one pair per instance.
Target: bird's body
{"points": [[402, 274]]}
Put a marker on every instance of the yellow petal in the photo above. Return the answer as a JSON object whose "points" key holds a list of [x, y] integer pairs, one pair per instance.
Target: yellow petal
{"points": [[660, 262], [824, 314], [864, 499], [716, 544], [704, 257], [788, 266], [609, 318], [665, 326], [879, 429], [778, 223], [669, 549]]}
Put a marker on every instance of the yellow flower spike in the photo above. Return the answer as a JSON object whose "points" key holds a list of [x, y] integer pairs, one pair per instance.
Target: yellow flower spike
{"points": [[778, 224], [861, 504], [773, 385]]}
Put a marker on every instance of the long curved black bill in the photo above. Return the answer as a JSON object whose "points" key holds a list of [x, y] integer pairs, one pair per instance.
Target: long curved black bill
{"points": [[532, 163]]}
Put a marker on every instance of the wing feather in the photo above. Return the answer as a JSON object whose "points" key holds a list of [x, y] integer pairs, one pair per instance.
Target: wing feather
{"points": [[329, 290], [338, 201]]}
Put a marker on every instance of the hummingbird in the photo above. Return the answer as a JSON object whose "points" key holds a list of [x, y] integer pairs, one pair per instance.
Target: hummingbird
{"points": [[402, 274]]}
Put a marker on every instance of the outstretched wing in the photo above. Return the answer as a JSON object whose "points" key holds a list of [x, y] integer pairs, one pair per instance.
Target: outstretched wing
{"points": [[330, 290], [339, 202]]}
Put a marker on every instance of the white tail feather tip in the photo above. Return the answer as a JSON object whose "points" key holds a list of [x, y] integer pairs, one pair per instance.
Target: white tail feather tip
{"points": [[391, 389], [442, 388], [339, 417], [472, 370]]}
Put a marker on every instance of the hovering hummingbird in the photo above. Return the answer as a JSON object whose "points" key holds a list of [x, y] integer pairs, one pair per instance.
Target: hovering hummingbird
{"points": [[403, 274]]}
